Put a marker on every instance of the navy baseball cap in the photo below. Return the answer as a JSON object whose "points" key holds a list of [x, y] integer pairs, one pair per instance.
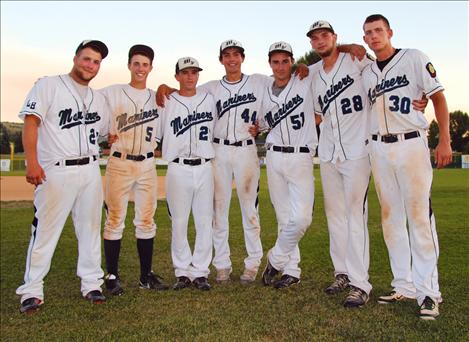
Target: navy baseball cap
{"points": [[187, 62], [96, 45], [143, 50], [318, 25]]}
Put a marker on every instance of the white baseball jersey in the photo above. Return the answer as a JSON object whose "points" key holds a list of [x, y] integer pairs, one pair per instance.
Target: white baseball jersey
{"points": [[187, 126], [339, 97], [67, 149], [391, 91], [402, 170], [238, 105], [290, 116], [70, 126], [134, 118]]}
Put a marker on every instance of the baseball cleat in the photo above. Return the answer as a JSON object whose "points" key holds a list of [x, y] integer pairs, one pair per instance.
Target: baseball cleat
{"points": [[356, 298], [248, 276], [269, 274], [113, 285], [95, 297], [391, 297], [341, 283], [223, 275], [182, 283], [201, 283], [152, 281], [286, 281], [30, 305], [429, 309]]}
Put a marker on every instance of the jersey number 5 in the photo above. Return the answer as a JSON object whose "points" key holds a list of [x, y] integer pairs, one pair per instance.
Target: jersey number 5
{"points": [[149, 132]]}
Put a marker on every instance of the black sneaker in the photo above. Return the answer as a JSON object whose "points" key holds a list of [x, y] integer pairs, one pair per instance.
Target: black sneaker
{"points": [[286, 281], [429, 309], [356, 298], [30, 305], [95, 297], [153, 281], [182, 283], [341, 283], [201, 283], [113, 285], [269, 274]]}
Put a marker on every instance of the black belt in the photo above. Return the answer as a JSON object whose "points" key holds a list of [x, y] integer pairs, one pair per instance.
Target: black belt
{"points": [[78, 161], [289, 149], [191, 162], [229, 143], [392, 138], [132, 157]]}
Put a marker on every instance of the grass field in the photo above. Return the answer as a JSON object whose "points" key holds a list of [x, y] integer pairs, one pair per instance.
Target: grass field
{"points": [[235, 312]]}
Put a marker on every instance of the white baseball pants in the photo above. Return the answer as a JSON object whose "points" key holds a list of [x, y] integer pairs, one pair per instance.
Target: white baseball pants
{"points": [[403, 176], [190, 187], [242, 163], [345, 187], [75, 189], [291, 187], [122, 177]]}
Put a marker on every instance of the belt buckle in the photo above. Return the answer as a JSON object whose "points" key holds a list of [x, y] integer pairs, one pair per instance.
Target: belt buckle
{"points": [[83, 161], [288, 149], [140, 158], [390, 138]]}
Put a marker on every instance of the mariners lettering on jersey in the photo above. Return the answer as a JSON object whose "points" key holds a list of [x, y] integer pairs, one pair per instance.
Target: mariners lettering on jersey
{"points": [[386, 86], [333, 92], [180, 125], [69, 120], [125, 122], [287, 108], [234, 101]]}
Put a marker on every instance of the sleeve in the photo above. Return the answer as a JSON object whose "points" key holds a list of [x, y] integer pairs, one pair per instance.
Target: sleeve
{"points": [[208, 87], [107, 123], [363, 63], [38, 99], [315, 100], [263, 80], [160, 121], [426, 74]]}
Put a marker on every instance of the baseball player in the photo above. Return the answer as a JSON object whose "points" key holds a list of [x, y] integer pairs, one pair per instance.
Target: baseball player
{"points": [[131, 168], [400, 162], [237, 98], [186, 129], [340, 100], [63, 119], [287, 110]]}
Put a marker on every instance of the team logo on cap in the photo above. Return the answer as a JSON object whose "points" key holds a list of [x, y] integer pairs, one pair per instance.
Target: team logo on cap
{"points": [[188, 61], [431, 70]]}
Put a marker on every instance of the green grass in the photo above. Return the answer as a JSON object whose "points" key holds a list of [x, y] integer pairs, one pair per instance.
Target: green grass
{"points": [[236, 312]]}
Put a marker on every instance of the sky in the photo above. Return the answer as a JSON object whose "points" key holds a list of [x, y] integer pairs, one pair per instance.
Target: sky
{"points": [[39, 38]]}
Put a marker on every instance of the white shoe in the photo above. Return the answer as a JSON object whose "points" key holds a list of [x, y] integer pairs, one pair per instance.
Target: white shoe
{"points": [[429, 309], [248, 276], [223, 275]]}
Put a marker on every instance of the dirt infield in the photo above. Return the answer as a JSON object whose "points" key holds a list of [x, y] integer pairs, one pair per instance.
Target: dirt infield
{"points": [[15, 188]]}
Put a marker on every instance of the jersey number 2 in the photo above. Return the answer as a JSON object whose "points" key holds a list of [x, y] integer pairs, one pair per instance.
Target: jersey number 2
{"points": [[203, 133]]}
